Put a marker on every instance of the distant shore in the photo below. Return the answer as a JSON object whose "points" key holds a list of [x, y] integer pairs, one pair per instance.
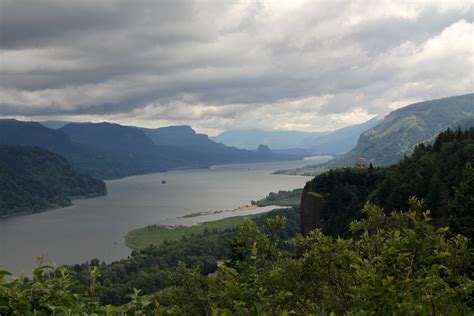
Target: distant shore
{"points": [[237, 209], [55, 206]]}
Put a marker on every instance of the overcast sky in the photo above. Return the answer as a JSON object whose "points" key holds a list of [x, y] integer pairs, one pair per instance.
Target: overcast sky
{"points": [[217, 65]]}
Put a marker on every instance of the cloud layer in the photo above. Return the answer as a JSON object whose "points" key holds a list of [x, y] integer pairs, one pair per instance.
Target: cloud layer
{"points": [[305, 65]]}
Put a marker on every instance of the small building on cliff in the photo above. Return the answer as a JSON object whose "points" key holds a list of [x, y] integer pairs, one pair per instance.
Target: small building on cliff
{"points": [[362, 163]]}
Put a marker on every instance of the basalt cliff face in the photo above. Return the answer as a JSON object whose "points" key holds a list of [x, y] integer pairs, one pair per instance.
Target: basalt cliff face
{"points": [[311, 206]]}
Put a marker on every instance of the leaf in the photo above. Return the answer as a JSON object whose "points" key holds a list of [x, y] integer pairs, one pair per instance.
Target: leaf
{"points": [[254, 249], [3, 273]]}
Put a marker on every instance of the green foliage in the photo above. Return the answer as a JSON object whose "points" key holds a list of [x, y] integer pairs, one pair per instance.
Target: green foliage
{"points": [[431, 173], [344, 193], [391, 264], [403, 129], [152, 269], [47, 294], [407, 265], [308, 171], [142, 238], [462, 207], [33, 180], [282, 198]]}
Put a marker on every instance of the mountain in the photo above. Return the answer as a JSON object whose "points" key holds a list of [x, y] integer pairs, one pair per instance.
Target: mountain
{"points": [[334, 199], [342, 140], [13, 132], [121, 151], [464, 124], [34, 180], [109, 151], [252, 138], [180, 136], [403, 129], [306, 143], [205, 149], [54, 124], [108, 136], [102, 150]]}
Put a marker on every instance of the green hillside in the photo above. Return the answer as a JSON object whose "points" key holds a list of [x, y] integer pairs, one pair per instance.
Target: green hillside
{"points": [[381, 263], [333, 199], [34, 180], [403, 129]]}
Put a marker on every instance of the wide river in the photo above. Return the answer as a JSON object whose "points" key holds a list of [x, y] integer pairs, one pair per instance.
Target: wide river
{"points": [[95, 228]]}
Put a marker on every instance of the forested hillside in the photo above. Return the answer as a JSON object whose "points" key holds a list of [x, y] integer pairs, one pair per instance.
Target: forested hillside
{"points": [[403, 129], [110, 151], [33, 180], [333, 199], [206, 150], [121, 151]]}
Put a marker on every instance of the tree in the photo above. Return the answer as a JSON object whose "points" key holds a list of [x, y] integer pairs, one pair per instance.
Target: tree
{"points": [[462, 207]]}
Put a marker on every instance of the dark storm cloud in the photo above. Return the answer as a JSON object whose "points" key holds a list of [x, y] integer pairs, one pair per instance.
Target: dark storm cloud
{"points": [[44, 22], [222, 64]]}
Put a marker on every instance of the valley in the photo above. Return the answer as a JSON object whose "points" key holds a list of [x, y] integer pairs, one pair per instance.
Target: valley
{"points": [[95, 228]]}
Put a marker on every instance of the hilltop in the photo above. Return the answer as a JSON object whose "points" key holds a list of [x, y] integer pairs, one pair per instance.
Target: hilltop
{"points": [[403, 129]]}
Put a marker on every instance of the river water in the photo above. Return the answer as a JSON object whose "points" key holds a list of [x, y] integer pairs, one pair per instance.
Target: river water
{"points": [[95, 228]]}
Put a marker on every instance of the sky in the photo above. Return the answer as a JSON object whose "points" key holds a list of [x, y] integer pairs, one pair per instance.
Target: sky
{"points": [[220, 65]]}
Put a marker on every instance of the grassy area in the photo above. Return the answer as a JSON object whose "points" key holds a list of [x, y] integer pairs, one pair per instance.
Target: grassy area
{"points": [[310, 171], [282, 198], [155, 235]]}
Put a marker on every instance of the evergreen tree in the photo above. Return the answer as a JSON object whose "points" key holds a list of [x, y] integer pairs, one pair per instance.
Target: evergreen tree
{"points": [[462, 207]]}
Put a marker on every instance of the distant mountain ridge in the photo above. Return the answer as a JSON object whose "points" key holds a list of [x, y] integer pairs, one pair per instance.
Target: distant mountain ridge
{"points": [[107, 136], [342, 140], [54, 124], [205, 149], [109, 151], [399, 133], [307, 143], [252, 138], [13, 132]]}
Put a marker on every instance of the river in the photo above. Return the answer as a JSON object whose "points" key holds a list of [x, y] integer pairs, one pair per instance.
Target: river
{"points": [[95, 228]]}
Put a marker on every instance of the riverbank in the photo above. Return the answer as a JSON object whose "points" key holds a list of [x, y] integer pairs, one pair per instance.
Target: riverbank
{"points": [[53, 207], [309, 171], [95, 228], [237, 209], [155, 235]]}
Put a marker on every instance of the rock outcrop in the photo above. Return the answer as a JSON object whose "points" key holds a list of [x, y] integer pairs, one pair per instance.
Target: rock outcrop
{"points": [[312, 204]]}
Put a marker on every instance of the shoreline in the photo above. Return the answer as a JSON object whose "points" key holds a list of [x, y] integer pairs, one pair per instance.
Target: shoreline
{"points": [[155, 235], [210, 167], [56, 207], [108, 216], [52, 208], [237, 209]]}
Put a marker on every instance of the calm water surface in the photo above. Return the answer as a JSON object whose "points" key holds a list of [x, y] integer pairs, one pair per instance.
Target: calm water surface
{"points": [[95, 228]]}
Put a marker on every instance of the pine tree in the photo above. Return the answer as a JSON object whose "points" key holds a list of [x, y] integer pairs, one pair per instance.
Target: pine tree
{"points": [[462, 207]]}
